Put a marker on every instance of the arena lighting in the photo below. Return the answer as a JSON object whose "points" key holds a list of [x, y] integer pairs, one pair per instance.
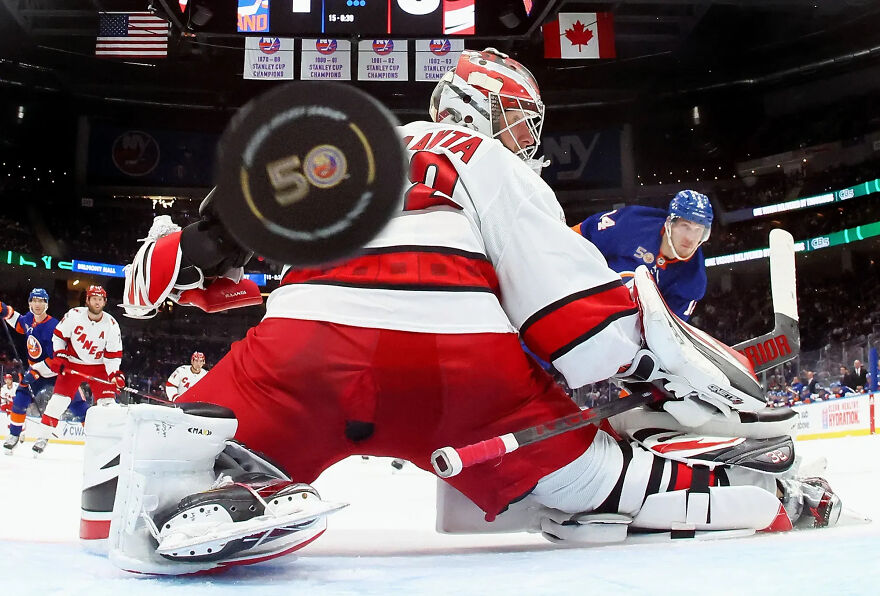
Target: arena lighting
{"points": [[841, 237]]}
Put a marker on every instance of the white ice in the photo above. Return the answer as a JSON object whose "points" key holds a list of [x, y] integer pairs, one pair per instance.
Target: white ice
{"points": [[384, 543]]}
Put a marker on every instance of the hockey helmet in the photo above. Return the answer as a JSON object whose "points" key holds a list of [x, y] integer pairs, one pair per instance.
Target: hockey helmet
{"points": [[481, 87], [96, 291], [38, 293], [692, 206], [197, 356], [7, 376]]}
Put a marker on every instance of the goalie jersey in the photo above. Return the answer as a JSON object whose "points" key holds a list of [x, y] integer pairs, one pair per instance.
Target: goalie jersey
{"points": [[631, 236], [481, 246]]}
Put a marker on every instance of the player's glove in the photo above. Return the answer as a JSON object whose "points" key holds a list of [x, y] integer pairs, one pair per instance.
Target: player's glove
{"points": [[29, 377], [57, 361], [118, 379], [6, 311]]}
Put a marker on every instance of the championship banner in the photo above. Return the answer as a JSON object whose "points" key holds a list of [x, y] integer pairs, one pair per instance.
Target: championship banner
{"points": [[268, 58], [383, 60], [325, 59], [435, 57]]}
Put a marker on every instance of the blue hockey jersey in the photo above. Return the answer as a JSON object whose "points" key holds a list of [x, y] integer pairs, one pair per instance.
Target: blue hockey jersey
{"points": [[631, 236], [38, 339]]}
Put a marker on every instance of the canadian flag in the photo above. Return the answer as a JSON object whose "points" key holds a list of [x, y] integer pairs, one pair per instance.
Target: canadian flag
{"points": [[580, 35]]}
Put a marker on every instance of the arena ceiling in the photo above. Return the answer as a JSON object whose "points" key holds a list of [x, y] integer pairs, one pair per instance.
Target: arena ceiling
{"points": [[665, 48]]}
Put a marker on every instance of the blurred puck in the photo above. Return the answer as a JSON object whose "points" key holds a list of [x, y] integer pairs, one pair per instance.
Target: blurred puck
{"points": [[309, 172]]}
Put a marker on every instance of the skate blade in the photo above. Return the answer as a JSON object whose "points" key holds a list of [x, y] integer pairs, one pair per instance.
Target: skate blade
{"points": [[849, 517], [180, 540]]}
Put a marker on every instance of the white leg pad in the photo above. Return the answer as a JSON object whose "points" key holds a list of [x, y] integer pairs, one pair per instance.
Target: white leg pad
{"points": [[165, 455], [103, 430], [723, 508]]}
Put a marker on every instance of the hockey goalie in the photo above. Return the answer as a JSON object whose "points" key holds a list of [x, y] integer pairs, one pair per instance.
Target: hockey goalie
{"points": [[415, 344]]}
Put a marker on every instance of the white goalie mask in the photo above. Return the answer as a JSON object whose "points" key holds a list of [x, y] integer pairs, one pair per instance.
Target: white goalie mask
{"points": [[492, 93]]}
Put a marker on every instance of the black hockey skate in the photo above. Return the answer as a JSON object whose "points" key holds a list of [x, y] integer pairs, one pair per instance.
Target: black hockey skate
{"points": [[11, 443], [40, 446], [254, 511]]}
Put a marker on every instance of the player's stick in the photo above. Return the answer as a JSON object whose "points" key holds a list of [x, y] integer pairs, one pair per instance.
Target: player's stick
{"points": [[127, 389], [784, 342], [449, 461]]}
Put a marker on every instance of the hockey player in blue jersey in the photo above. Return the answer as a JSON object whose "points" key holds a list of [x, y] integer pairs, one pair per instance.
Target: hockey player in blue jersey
{"points": [[38, 327], [668, 243]]}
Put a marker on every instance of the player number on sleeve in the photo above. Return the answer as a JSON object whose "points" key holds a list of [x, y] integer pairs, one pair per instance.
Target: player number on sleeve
{"points": [[605, 221]]}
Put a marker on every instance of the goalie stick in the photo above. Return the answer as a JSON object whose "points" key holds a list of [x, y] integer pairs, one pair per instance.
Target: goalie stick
{"points": [[784, 342], [771, 349]]}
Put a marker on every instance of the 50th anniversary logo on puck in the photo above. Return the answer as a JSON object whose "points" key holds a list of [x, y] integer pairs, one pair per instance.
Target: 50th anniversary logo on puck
{"points": [[298, 180]]}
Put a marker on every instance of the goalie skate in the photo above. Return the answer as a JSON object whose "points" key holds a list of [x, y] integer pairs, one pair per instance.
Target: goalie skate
{"points": [[703, 374], [252, 520]]}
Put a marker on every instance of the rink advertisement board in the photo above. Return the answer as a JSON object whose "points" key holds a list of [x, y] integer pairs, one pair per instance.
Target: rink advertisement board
{"points": [[836, 417]]}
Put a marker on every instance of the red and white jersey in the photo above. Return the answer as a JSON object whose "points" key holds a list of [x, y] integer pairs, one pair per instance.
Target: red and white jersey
{"points": [[481, 246], [182, 379], [87, 341], [7, 393]]}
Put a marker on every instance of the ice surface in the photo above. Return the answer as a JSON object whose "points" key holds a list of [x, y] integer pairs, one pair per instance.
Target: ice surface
{"points": [[384, 543]]}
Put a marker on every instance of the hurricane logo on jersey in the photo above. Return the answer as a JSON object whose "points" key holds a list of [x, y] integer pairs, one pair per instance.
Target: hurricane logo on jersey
{"points": [[270, 45], [135, 153], [439, 47], [325, 46], [34, 349], [383, 46], [325, 166]]}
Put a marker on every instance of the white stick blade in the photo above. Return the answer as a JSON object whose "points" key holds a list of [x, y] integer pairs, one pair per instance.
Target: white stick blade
{"points": [[783, 285]]}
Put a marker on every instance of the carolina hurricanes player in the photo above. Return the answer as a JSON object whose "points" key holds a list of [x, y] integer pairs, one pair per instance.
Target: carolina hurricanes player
{"points": [[414, 345], [185, 376], [87, 341], [7, 393]]}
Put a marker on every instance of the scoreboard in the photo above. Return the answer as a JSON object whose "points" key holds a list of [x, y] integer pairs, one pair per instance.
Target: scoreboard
{"points": [[409, 18]]}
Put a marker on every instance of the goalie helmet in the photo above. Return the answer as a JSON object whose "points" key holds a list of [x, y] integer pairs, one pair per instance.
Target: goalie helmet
{"points": [[482, 92]]}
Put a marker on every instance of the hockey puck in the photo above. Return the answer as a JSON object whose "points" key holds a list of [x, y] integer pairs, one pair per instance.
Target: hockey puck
{"points": [[309, 172]]}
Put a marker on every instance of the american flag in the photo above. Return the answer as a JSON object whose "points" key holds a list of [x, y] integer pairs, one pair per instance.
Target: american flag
{"points": [[131, 35]]}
